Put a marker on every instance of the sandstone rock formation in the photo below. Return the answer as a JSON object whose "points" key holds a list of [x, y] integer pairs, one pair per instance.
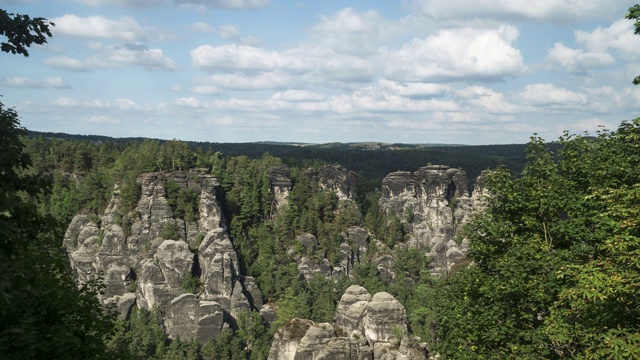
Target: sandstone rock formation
{"points": [[364, 327], [336, 179], [141, 268], [433, 203]]}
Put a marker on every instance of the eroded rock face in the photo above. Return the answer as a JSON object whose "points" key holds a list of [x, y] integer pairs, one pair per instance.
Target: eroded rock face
{"points": [[364, 327], [280, 182], [142, 268], [432, 203], [383, 316], [336, 179], [351, 308]]}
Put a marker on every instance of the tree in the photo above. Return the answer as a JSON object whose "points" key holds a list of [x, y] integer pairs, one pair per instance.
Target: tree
{"points": [[43, 313], [554, 257], [634, 14], [22, 31]]}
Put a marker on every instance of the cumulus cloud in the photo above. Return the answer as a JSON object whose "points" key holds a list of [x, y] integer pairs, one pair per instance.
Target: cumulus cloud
{"points": [[485, 100], [298, 95], [253, 81], [241, 57], [414, 90], [552, 96], [619, 36], [125, 28], [23, 82], [578, 60], [351, 32], [560, 11], [111, 56], [458, 54]]}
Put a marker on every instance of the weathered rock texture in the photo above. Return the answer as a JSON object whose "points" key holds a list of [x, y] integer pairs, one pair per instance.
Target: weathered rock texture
{"points": [[336, 179], [140, 268], [364, 327], [432, 203]]}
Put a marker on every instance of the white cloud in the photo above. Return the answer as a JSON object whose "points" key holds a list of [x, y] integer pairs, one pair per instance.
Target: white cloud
{"points": [[350, 32], [22, 82], [139, 55], [241, 57], [591, 126], [578, 60], [484, 100], [126, 28], [550, 95], [67, 63], [118, 104], [561, 11], [115, 56], [240, 81], [298, 95], [103, 120], [206, 89], [619, 36], [188, 102], [458, 54], [414, 90]]}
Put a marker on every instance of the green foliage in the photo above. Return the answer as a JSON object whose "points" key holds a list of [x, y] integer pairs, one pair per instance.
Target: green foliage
{"points": [[140, 337], [191, 284], [254, 333], [634, 14], [183, 201], [554, 254], [22, 31], [169, 231], [43, 314], [227, 346]]}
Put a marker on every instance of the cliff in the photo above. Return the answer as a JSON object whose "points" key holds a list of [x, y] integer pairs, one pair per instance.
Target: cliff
{"points": [[432, 203], [150, 257], [364, 327]]}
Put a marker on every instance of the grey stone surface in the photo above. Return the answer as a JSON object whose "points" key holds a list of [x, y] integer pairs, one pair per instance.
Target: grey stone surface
{"points": [[383, 315], [139, 259], [432, 203], [350, 308], [364, 327]]}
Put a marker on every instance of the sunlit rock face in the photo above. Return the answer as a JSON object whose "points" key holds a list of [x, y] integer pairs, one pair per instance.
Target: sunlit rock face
{"points": [[364, 327], [141, 268], [432, 203]]}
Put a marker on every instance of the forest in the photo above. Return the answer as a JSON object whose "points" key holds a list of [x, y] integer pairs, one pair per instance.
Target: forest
{"points": [[552, 269]]}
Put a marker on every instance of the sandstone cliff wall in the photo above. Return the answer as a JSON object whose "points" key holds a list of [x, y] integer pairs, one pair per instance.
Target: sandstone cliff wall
{"points": [[364, 327], [141, 268]]}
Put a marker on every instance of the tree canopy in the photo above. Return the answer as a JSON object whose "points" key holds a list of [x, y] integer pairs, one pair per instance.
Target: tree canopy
{"points": [[555, 267], [22, 31]]}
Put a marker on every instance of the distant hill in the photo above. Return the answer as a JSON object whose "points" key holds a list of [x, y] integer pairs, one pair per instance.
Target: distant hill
{"points": [[373, 160]]}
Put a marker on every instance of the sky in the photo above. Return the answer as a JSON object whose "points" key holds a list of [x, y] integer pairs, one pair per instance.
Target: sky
{"points": [[412, 71]]}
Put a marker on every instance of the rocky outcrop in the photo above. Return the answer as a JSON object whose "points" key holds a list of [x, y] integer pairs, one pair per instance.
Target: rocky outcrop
{"points": [[190, 273], [280, 183], [353, 247], [334, 179], [364, 327], [432, 203]]}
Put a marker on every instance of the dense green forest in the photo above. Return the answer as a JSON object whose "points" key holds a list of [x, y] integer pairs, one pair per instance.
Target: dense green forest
{"points": [[553, 268], [554, 257]]}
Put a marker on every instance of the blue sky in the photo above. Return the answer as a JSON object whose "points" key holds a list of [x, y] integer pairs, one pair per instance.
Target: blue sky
{"points": [[414, 71]]}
